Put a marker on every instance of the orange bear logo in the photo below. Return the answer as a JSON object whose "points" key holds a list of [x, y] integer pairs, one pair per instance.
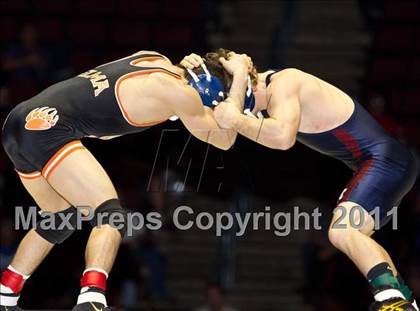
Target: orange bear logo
{"points": [[41, 119]]}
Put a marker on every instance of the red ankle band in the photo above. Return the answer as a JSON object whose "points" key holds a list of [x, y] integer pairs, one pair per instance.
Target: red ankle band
{"points": [[93, 279], [12, 280]]}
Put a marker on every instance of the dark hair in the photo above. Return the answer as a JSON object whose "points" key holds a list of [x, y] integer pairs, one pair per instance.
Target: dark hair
{"points": [[214, 66]]}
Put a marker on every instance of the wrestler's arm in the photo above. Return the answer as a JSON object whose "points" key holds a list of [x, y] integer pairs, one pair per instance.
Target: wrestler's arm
{"points": [[198, 119], [280, 130]]}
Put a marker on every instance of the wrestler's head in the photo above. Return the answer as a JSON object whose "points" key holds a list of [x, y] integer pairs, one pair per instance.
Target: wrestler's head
{"points": [[213, 64], [212, 81], [257, 80]]}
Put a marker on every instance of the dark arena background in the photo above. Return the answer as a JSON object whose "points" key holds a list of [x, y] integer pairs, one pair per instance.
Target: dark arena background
{"points": [[370, 49]]}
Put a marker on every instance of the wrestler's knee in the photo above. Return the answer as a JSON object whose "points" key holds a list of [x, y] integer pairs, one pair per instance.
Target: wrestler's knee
{"points": [[63, 226], [349, 221], [111, 213]]}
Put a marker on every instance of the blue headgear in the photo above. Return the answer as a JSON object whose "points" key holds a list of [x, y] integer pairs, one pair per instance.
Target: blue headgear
{"points": [[212, 91], [209, 88]]}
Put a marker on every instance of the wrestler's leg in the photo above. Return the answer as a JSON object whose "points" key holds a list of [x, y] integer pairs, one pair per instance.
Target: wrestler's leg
{"points": [[82, 181], [357, 243], [352, 236], [33, 248]]}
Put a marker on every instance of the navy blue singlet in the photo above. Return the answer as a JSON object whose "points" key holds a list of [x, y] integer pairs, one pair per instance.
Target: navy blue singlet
{"points": [[384, 170]]}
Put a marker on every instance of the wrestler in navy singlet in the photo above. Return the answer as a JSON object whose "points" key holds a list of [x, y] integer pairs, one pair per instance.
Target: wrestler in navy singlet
{"points": [[85, 105], [384, 169]]}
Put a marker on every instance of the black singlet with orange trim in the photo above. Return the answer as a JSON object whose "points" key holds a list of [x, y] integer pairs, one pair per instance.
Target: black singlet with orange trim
{"points": [[92, 104], [87, 105]]}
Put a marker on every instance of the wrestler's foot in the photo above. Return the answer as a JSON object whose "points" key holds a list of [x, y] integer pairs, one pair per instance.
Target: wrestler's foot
{"points": [[414, 304], [91, 306], [14, 308], [390, 299], [393, 304], [91, 299]]}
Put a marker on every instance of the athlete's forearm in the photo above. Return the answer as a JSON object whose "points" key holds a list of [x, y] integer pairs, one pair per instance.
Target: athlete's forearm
{"points": [[238, 89], [221, 138], [268, 132], [205, 128]]}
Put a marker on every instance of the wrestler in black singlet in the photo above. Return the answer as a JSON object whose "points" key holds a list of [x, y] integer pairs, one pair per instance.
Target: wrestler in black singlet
{"points": [[85, 105]]}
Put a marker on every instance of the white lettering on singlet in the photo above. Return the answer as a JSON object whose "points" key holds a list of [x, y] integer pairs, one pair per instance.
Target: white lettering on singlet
{"points": [[98, 79]]}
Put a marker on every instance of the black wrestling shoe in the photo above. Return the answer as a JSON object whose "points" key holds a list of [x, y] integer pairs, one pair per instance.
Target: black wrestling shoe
{"points": [[13, 299], [91, 306], [393, 304], [15, 308]]}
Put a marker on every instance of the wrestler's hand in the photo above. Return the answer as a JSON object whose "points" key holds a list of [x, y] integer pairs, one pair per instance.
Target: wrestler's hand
{"points": [[191, 61], [237, 64], [227, 114]]}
